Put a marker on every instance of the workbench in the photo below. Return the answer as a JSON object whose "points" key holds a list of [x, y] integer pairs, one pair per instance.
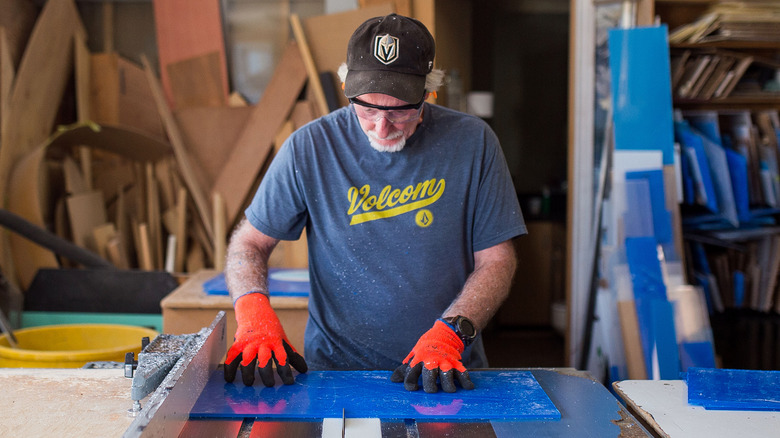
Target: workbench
{"points": [[88, 402], [95, 403], [64, 402], [188, 308], [662, 405]]}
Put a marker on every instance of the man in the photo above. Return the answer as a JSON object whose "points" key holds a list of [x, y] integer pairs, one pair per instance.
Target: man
{"points": [[409, 211]]}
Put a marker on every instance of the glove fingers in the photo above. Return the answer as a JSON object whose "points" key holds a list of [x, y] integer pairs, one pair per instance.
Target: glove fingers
{"points": [[399, 373], [464, 379], [231, 367], [429, 379], [285, 372], [447, 380], [249, 353], [411, 376], [295, 359], [234, 351], [267, 374], [248, 372]]}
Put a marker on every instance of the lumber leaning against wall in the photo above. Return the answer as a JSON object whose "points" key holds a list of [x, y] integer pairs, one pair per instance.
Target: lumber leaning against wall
{"points": [[39, 86]]}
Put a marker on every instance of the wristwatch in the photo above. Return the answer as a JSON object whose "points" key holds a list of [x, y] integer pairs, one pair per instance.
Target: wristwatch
{"points": [[463, 327]]}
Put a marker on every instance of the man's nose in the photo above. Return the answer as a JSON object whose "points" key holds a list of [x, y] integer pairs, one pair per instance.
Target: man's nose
{"points": [[382, 126]]}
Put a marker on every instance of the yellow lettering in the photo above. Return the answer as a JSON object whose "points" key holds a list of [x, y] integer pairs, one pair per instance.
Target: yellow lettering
{"points": [[432, 187], [354, 201], [393, 197], [382, 201], [435, 189], [417, 190], [406, 194], [369, 203]]}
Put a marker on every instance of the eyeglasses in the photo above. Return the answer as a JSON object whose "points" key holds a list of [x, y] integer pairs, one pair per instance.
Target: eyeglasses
{"points": [[393, 114]]}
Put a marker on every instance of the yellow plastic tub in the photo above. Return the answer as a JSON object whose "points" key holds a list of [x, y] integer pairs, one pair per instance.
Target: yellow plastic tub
{"points": [[71, 345]]}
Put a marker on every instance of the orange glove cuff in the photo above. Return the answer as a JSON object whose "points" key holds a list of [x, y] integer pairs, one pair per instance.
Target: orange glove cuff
{"points": [[440, 347]]}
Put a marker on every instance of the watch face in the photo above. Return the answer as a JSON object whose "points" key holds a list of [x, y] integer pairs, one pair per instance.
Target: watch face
{"points": [[466, 327]]}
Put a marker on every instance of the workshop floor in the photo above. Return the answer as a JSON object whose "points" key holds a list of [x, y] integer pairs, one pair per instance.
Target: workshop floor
{"points": [[524, 347]]}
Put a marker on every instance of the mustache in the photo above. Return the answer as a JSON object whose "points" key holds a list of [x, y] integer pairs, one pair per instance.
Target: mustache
{"points": [[391, 136]]}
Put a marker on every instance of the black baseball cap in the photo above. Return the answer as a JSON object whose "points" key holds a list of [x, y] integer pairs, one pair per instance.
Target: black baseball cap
{"points": [[389, 55]]}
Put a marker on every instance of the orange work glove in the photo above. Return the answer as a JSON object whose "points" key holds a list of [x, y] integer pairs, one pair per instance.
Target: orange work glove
{"points": [[260, 338], [436, 355]]}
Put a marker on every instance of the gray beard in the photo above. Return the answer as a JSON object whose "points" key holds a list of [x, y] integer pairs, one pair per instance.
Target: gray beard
{"points": [[395, 147]]}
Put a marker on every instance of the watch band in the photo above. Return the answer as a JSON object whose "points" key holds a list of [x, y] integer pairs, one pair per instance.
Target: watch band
{"points": [[463, 327]]}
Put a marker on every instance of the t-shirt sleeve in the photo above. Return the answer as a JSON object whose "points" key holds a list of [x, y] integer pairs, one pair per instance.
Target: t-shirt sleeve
{"points": [[278, 208], [498, 216]]}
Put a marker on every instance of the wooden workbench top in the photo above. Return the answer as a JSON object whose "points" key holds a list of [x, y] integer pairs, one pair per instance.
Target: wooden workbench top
{"points": [[664, 408], [74, 402], [191, 295]]}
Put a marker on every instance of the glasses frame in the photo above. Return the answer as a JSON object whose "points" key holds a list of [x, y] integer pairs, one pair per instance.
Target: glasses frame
{"points": [[356, 101], [416, 106]]}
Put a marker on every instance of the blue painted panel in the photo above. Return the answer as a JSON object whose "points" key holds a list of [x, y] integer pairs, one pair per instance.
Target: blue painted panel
{"points": [[662, 219], [665, 339], [281, 283], [641, 89], [499, 395], [729, 389], [648, 285]]}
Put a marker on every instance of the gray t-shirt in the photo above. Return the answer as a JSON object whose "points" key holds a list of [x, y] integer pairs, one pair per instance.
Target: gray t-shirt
{"points": [[391, 236]]}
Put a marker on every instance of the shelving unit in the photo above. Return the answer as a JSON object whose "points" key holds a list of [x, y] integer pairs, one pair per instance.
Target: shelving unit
{"points": [[744, 260]]}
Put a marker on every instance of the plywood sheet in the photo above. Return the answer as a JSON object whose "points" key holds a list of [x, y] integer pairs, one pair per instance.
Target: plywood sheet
{"points": [[256, 140], [18, 18], [402, 7], [185, 29], [210, 134], [40, 82], [190, 171], [124, 141], [86, 212], [197, 81], [6, 74], [64, 402], [27, 199], [302, 113], [371, 394], [120, 95]]}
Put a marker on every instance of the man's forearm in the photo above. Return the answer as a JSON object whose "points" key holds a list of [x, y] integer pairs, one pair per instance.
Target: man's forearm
{"points": [[246, 264], [488, 286]]}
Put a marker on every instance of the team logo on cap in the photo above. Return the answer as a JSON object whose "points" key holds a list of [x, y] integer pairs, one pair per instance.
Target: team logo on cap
{"points": [[386, 48]]}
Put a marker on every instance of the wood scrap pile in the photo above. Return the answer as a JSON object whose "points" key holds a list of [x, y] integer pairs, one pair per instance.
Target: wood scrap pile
{"points": [[151, 171]]}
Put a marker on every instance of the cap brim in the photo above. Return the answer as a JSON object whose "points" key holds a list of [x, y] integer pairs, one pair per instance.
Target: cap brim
{"points": [[409, 88]]}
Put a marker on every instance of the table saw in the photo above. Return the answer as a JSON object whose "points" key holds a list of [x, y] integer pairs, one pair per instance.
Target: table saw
{"points": [[190, 398]]}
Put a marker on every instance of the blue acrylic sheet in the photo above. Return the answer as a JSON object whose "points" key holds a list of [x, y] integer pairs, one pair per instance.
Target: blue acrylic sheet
{"points": [[728, 389], [641, 89], [281, 283], [661, 217], [499, 395]]}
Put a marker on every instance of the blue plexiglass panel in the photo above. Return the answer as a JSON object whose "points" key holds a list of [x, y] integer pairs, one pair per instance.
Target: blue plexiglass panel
{"points": [[499, 395]]}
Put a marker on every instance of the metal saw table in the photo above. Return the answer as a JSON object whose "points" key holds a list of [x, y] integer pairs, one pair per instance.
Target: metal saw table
{"points": [[587, 408]]}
